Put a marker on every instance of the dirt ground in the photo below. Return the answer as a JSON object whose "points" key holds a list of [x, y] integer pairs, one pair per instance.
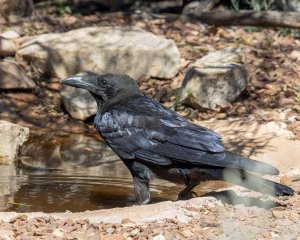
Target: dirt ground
{"points": [[226, 215]]}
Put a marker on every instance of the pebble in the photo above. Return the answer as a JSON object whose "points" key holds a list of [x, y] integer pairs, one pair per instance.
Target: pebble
{"points": [[220, 115], [135, 232], [296, 108], [58, 232], [127, 220], [159, 237], [294, 216], [7, 47], [10, 34], [286, 102], [187, 233]]}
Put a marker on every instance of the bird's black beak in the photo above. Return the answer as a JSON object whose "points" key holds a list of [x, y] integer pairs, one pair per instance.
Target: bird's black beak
{"points": [[80, 82]]}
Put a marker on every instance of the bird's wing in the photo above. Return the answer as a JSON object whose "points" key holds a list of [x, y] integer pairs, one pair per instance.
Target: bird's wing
{"points": [[155, 134]]}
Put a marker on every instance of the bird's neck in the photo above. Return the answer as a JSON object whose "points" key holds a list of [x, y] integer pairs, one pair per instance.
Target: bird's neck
{"points": [[103, 106], [120, 98]]}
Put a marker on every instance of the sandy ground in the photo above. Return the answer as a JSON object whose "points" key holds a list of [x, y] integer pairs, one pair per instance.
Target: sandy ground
{"points": [[227, 215]]}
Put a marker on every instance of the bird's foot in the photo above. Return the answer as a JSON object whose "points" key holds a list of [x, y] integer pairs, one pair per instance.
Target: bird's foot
{"points": [[186, 195]]}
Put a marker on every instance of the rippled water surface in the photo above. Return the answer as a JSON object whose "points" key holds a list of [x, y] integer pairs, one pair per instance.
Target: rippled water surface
{"points": [[70, 172]]}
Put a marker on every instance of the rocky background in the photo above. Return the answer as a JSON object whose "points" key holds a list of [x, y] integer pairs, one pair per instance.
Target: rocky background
{"points": [[240, 81]]}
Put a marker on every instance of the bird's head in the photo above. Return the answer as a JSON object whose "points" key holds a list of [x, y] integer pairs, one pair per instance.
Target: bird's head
{"points": [[105, 88]]}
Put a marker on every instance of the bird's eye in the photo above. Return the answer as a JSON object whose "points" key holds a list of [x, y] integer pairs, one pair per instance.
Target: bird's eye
{"points": [[103, 83]]}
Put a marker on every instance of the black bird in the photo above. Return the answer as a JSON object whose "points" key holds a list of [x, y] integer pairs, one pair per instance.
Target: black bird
{"points": [[153, 140]]}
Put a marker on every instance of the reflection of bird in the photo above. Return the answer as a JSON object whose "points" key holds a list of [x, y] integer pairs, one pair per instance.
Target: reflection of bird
{"points": [[153, 140]]}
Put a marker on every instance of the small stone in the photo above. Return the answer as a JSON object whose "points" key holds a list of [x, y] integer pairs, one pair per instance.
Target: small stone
{"points": [[58, 232], [295, 54], [135, 232], [294, 216], [286, 102], [127, 220], [7, 47], [278, 214], [6, 234], [14, 136], [159, 237], [221, 116], [110, 230], [10, 34], [241, 110], [78, 102], [14, 76], [19, 230], [297, 108], [266, 234], [22, 217], [187, 233]]}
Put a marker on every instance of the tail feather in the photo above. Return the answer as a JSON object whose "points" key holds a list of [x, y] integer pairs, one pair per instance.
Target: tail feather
{"points": [[240, 162], [251, 181]]}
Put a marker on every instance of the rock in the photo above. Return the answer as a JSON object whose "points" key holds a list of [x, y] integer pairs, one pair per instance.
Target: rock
{"points": [[216, 79], [283, 102], [78, 102], [12, 138], [126, 50], [7, 47], [187, 233], [159, 237], [14, 11], [14, 77], [295, 55], [9, 185], [294, 216], [135, 232], [10, 34], [58, 232], [6, 234], [279, 214]]}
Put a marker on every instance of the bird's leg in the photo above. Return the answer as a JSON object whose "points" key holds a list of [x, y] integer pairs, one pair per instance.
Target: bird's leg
{"points": [[141, 178], [141, 190], [187, 193]]}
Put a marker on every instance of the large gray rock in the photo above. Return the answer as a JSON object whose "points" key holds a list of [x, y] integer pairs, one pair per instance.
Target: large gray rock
{"points": [[78, 102], [13, 76], [126, 50], [12, 138], [216, 79]]}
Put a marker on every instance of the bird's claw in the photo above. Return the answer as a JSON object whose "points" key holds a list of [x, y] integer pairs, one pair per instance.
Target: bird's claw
{"points": [[186, 195]]}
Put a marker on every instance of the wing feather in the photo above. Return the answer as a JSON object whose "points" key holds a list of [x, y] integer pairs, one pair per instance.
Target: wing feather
{"points": [[157, 135]]}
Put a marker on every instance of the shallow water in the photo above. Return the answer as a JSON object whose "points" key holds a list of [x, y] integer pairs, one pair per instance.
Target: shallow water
{"points": [[60, 172]]}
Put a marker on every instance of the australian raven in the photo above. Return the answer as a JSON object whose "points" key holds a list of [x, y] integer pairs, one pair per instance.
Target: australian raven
{"points": [[153, 140]]}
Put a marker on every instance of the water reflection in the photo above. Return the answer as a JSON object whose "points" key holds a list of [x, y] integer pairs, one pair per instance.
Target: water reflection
{"points": [[59, 172]]}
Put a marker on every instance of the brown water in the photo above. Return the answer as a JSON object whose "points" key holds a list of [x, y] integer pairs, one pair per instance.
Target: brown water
{"points": [[60, 172]]}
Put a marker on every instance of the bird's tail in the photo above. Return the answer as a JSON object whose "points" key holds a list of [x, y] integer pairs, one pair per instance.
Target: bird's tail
{"points": [[236, 161], [251, 181]]}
